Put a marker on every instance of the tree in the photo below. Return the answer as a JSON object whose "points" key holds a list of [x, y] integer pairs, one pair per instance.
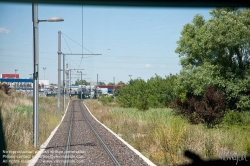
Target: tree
{"points": [[101, 83], [81, 82], [121, 83], [216, 52], [156, 92], [223, 40], [110, 83]]}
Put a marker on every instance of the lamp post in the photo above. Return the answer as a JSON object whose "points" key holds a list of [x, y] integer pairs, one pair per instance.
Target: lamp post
{"points": [[44, 68], [130, 76], [36, 67], [15, 72]]}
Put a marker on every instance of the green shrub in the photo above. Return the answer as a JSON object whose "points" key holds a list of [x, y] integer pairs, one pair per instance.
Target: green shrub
{"points": [[157, 92], [106, 99], [236, 118]]}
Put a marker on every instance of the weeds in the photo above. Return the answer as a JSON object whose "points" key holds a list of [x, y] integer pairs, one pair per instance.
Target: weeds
{"points": [[162, 136], [16, 113]]}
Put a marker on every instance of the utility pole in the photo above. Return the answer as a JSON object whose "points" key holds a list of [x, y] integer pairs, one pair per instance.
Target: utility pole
{"points": [[70, 83], [35, 74], [67, 86], [59, 75], [63, 83], [114, 87], [81, 82], [71, 77], [36, 67], [97, 89], [59, 69]]}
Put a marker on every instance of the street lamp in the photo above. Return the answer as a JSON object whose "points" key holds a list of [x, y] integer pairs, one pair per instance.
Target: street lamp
{"points": [[36, 67], [15, 72], [130, 76], [44, 68]]}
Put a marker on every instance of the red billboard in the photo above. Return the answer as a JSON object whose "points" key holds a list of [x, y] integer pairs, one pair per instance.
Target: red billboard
{"points": [[9, 75]]}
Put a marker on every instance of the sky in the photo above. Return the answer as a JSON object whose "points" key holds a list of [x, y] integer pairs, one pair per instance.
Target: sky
{"points": [[136, 41]]}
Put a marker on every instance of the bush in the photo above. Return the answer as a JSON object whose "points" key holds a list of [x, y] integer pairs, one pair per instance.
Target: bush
{"points": [[5, 88], [210, 110], [153, 93], [236, 118], [106, 99]]}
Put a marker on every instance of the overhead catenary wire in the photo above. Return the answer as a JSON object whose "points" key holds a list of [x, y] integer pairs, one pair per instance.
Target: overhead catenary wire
{"points": [[70, 64], [67, 44], [77, 43], [82, 38], [42, 52]]}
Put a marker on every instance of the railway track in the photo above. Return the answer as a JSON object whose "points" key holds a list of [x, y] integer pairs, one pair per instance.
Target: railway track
{"points": [[77, 111], [81, 140]]}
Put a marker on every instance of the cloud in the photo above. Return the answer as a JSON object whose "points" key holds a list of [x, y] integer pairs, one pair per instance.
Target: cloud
{"points": [[148, 66], [4, 30]]}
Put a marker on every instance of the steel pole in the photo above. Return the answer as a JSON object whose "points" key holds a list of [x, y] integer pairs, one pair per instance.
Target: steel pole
{"points": [[97, 88], [70, 82], [67, 78], [59, 75], [81, 85], [35, 73], [114, 88], [63, 82]]}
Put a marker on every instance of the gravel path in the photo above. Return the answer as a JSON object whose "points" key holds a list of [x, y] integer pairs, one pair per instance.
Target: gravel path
{"points": [[85, 148]]}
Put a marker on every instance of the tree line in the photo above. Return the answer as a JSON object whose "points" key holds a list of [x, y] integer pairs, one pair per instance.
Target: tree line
{"points": [[84, 82], [215, 74]]}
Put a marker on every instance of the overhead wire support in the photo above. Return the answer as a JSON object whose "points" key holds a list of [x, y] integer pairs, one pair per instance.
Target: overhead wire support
{"points": [[77, 43], [64, 54], [79, 54], [67, 44]]}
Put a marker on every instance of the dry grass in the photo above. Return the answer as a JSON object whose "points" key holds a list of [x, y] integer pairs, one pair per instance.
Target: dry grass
{"points": [[17, 120], [162, 137]]}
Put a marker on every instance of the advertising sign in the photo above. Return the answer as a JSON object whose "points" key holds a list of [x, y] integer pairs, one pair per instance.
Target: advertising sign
{"points": [[9, 75]]}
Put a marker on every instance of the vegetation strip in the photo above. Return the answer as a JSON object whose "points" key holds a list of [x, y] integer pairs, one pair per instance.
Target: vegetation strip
{"points": [[44, 145]]}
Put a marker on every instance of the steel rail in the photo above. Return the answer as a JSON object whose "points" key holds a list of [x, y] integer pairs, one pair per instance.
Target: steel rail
{"points": [[99, 138], [66, 158]]}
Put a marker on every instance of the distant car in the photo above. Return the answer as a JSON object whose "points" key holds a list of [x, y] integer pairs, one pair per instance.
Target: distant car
{"points": [[110, 95], [50, 92]]}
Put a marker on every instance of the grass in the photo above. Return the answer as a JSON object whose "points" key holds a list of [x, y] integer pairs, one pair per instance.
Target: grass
{"points": [[17, 120], [162, 136]]}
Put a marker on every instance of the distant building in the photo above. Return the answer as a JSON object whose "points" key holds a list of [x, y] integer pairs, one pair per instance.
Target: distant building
{"points": [[9, 75], [14, 81], [43, 84]]}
